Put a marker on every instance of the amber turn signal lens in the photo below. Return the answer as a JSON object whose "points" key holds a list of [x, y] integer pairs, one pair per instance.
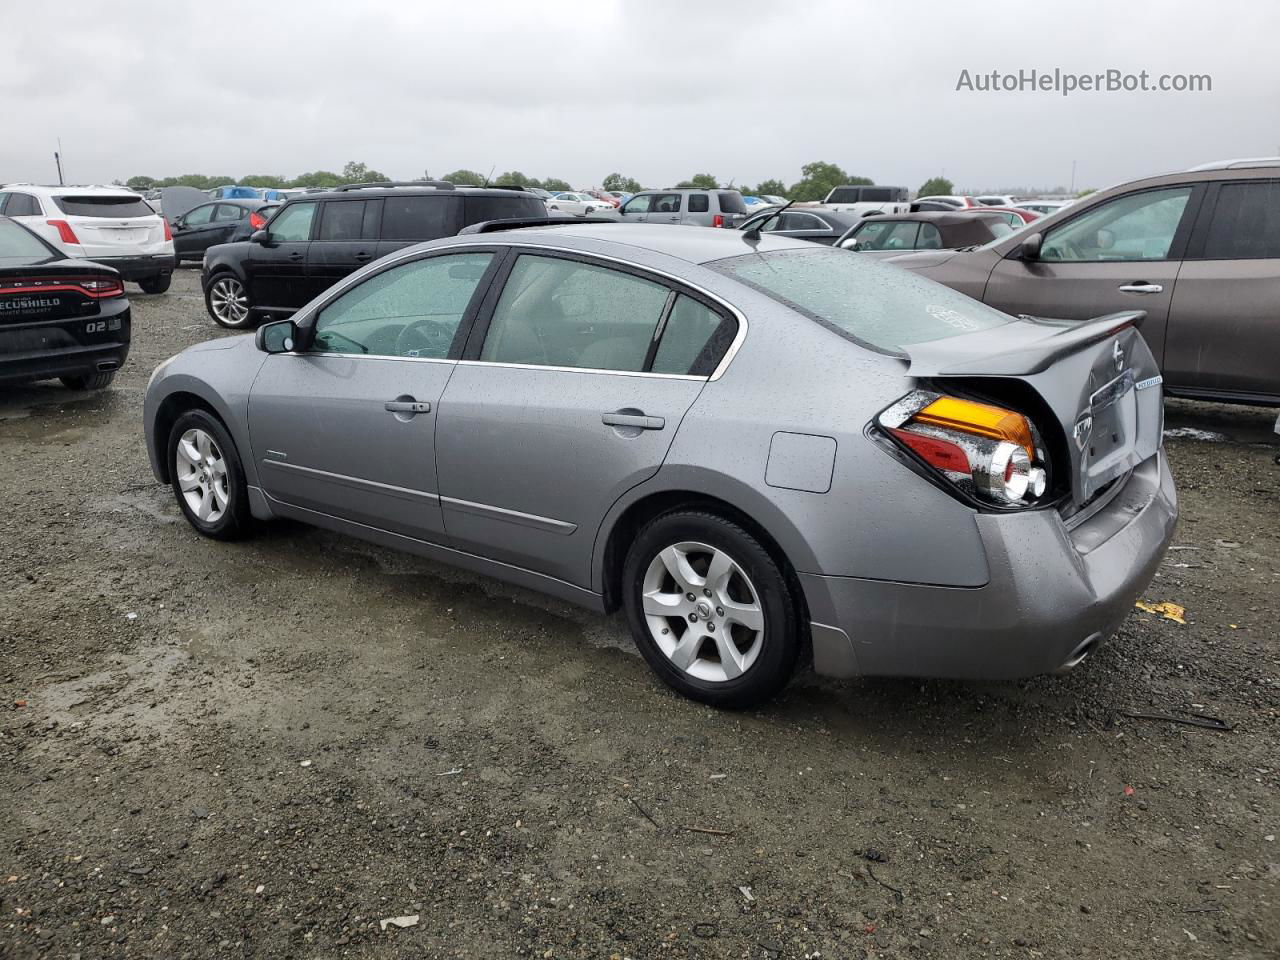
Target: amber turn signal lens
{"points": [[979, 419]]}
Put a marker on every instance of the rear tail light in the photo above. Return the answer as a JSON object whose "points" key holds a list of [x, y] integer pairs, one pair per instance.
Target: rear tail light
{"points": [[257, 220], [102, 289], [168, 234], [985, 451], [98, 288], [717, 220], [65, 233]]}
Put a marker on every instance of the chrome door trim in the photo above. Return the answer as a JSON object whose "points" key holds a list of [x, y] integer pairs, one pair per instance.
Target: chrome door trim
{"points": [[547, 524], [410, 253], [356, 482]]}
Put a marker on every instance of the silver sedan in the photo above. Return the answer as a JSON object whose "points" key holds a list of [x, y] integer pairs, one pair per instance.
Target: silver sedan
{"points": [[763, 450]]}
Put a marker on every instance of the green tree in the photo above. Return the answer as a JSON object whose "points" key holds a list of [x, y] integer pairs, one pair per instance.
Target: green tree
{"points": [[317, 178], [465, 178], [359, 172], [699, 181], [775, 188], [616, 181], [141, 183], [263, 180], [556, 185], [820, 178], [936, 187], [514, 178]]}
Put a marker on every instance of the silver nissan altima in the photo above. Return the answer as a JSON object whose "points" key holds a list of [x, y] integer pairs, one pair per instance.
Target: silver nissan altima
{"points": [[764, 451]]}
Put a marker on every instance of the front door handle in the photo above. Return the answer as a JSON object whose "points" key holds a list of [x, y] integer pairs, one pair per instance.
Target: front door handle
{"points": [[295, 256], [638, 420], [407, 406], [1142, 288], [363, 257]]}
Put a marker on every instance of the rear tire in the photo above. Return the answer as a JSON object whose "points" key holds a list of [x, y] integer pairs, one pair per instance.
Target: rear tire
{"points": [[737, 642], [207, 476], [157, 284], [228, 302], [88, 381]]}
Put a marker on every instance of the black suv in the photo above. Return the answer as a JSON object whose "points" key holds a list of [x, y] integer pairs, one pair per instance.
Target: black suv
{"points": [[315, 240]]}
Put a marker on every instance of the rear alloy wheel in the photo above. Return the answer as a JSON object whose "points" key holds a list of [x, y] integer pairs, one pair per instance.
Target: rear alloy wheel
{"points": [[228, 302], [710, 609], [89, 381], [207, 477]]}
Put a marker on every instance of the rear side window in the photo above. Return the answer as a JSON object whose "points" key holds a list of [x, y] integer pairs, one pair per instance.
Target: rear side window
{"points": [[699, 203], [845, 195], [229, 211], [1246, 222], [21, 205], [480, 209], [115, 207], [420, 218], [664, 203], [731, 202], [342, 220], [871, 303], [694, 338]]}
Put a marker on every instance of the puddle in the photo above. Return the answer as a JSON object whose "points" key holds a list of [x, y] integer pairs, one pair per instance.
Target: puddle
{"points": [[1195, 433]]}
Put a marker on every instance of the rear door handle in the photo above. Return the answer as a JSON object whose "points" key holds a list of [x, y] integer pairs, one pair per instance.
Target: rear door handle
{"points": [[407, 406], [363, 257], [295, 256], [1142, 288], [632, 420]]}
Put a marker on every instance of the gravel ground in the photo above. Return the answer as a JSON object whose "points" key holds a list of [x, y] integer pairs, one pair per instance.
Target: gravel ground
{"points": [[265, 749]]}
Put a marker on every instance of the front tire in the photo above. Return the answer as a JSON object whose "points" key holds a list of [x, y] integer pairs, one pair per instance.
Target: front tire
{"points": [[207, 476], [158, 284], [89, 381], [711, 610], [228, 302]]}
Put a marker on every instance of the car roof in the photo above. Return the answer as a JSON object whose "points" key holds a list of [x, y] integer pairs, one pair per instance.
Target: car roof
{"points": [[88, 190], [694, 244], [368, 193]]}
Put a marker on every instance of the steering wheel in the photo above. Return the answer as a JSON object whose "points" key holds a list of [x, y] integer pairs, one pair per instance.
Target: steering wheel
{"points": [[429, 338]]}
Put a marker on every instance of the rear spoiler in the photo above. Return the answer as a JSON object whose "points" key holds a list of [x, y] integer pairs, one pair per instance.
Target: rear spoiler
{"points": [[515, 223], [1033, 346]]}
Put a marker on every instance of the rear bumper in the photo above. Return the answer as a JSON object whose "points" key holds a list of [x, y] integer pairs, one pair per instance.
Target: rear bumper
{"points": [[63, 348], [1054, 593], [141, 267]]}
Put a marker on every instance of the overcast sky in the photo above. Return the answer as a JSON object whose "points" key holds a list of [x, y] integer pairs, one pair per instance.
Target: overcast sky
{"points": [[657, 90]]}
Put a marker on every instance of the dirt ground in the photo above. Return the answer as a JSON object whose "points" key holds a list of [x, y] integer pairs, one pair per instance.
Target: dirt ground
{"points": [[264, 749]]}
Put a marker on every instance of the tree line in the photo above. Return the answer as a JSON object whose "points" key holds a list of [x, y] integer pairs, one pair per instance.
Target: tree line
{"points": [[816, 181]]}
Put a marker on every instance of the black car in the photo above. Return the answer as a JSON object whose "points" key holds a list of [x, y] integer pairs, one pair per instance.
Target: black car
{"points": [[818, 226], [315, 240], [58, 317], [215, 222]]}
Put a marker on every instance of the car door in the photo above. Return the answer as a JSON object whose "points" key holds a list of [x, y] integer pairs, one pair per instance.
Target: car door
{"points": [[192, 231], [636, 209], [1119, 254], [573, 385], [341, 244], [277, 269], [345, 428], [665, 208], [1224, 319], [225, 221]]}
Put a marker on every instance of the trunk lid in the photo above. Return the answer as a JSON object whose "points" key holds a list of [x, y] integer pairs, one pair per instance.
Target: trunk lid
{"points": [[1097, 377], [49, 291]]}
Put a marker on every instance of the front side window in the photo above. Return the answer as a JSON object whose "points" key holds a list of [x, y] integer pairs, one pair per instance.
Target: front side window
{"points": [[199, 216], [293, 223], [638, 204], [872, 303], [1137, 226], [1246, 222], [342, 220], [887, 235], [564, 313], [698, 203], [412, 310]]}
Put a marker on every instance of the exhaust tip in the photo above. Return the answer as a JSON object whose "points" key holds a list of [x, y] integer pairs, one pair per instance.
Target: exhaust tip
{"points": [[1080, 653], [105, 365]]}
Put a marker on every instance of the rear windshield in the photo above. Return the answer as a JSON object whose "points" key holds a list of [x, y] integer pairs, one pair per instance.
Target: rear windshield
{"points": [[731, 202], [874, 304], [121, 206], [19, 243], [479, 209]]}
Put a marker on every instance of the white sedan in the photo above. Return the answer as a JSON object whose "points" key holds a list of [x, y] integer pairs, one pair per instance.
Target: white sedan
{"points": [[577, 204]]}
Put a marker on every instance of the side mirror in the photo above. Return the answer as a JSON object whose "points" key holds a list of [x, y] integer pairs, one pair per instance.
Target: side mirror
{"points": [[261, 236], [177, 223], [278, 337], [851, 244], [1030, 248]]}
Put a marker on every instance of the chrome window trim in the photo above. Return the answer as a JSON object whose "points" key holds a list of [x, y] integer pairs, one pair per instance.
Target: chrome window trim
{"points": [[411, 253], [616, 373]]}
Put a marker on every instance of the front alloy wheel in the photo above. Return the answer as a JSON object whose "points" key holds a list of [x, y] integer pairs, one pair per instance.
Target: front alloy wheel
{"points": [[201, 472], [207, 476], [228, 302]]}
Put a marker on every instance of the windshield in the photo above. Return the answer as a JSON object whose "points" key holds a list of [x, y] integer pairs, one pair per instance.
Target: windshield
{"points": [[18, 243], [871, 303]]}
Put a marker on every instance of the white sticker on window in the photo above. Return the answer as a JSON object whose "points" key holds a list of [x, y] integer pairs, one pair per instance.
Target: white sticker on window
{"points": [[951, 317]]}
